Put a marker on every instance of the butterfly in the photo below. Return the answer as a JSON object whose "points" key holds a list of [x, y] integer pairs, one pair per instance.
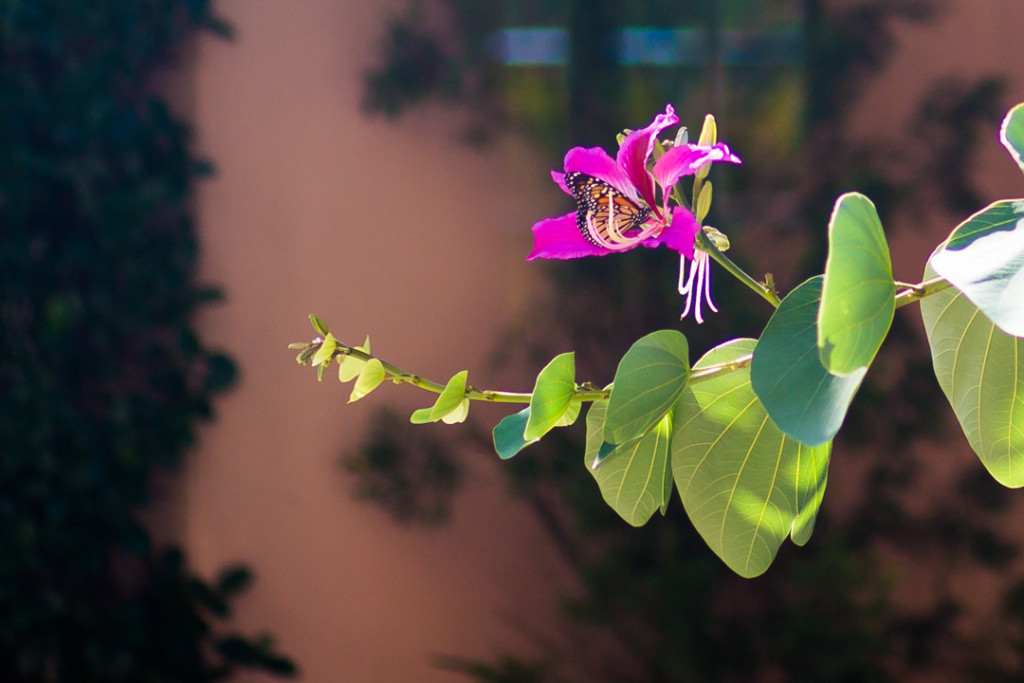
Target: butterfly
{"points": [[605, 216]]}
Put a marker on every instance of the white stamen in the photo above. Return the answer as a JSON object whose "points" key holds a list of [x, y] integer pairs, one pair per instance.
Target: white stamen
{"points": [[698, 284], [707, 282]]}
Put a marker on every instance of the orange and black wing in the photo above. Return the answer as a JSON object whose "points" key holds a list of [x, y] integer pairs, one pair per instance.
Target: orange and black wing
{"points": [[603, 214]]}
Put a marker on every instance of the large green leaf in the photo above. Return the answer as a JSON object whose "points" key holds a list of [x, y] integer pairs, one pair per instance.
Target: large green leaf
{"points": [[981, 370], [1011, 134], [858, 295], [746, 486], [552, 396], [803, 398], [648, 381], [634, 478], [984, 259]]}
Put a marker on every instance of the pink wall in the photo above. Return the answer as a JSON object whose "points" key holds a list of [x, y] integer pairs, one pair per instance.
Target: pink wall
{"points": [[392, 230]]}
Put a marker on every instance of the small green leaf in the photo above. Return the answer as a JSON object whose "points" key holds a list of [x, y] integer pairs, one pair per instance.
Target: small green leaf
{"points": [[451, 398], [318, 324], [326, 351], [349, 366], [745, 485], [369, 379], [552, 395], [981, 370], [984, 259], [459, 414], [649, 379], [508, 434], [1011, 134], [858, 295], [803, 398], [421, 416], [635, 479]]}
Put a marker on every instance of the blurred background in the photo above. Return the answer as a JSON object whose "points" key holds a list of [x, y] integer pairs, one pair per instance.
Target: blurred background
{"points": [[183, 182]]}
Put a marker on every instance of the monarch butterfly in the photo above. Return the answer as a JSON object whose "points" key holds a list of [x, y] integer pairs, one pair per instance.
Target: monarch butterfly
{"points": [[604, 215]]}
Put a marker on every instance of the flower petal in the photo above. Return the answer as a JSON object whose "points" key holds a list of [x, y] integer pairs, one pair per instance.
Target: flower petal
{"points": [[560, 238], [594, 161], [679, 235], [687, 159], [636, 149], [559, 179]]}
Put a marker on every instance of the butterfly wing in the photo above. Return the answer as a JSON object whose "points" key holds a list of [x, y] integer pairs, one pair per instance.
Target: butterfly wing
{"points": [[604, 215]]}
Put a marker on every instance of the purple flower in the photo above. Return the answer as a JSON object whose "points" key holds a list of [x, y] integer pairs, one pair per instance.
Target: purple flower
{"points": [[618, 203]]}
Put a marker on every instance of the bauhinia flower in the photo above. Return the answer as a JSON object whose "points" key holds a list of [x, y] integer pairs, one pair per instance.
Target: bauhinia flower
{"points": [[618, 207]]}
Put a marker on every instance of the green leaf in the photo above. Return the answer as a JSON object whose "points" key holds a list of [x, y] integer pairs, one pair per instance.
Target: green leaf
{"points": [[508, 434], [858, 295], [649, 379], [571, 413], [745, 485], [803, 398], [326, 351], [318, 324], [349, 366], [451, 398], [1011, 134], [981, 370], [421, 416], [369, 379], [552, 395], [634, 478], [451, 406], [984, 259]]}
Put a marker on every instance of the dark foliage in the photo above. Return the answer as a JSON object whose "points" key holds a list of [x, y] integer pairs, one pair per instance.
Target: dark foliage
{"points": [[102, 375]]}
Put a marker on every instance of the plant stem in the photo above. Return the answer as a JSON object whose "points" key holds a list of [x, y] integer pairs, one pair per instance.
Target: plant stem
{"points": [[737, 272], [400, 376], [586, 393], [919, 291]]}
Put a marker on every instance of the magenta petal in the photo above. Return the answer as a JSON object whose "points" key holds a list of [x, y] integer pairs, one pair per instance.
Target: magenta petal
{"points": [[636, 149], [559, 179], [679, 235], [559, 238], [594, 161], [687, 159]]}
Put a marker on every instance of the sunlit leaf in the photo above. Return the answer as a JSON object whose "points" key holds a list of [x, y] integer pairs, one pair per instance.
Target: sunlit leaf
{"points": [[451, 398], [984, 259], [369, 379], [349, 366], [508, 434], [634, 478], [803, 398], [858, 294], [421, 416], [326, 351], [981, 370], [648, 381], [552, 395], [1011, 134], [318, 324], [745, 485], [571, 414]]}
